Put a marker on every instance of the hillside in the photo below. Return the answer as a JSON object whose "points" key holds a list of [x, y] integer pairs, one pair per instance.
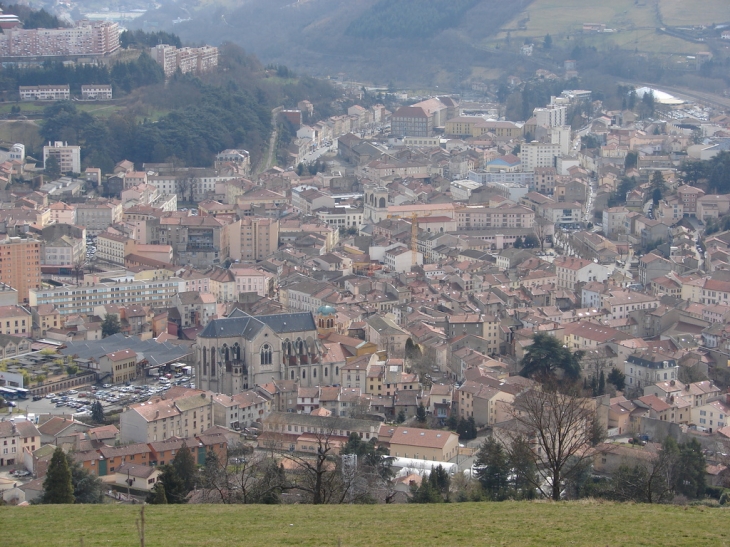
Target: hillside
{"points": [[509, 523], [444, 43]]}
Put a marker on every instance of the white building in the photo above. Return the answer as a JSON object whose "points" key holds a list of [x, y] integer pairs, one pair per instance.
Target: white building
{"points": [[96, 92], [538, 154], [68, 157], [17, 152], [643, 369], [400, 259], [44, 92], [571, 270]]}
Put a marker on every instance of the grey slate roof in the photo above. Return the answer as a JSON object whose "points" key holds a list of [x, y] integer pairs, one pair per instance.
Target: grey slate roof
{"points": [[153, 352], [239, 323]]}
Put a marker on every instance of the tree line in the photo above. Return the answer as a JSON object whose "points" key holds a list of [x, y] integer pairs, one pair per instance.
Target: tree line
{"points": [[123, 76], [34, 18], [715, 172], [142, 39], [408, 18], [222, 118]]}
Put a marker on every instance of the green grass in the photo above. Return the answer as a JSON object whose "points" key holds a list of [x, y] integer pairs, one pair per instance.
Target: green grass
{"points": [[635, 23], [686, 12], [21, 131], [577, 523]]}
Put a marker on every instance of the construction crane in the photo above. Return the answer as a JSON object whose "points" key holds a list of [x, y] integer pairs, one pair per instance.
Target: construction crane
{"points": [[414, 237]]}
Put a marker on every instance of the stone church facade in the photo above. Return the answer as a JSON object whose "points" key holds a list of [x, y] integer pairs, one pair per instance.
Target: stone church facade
{"points": [[240, 351]]}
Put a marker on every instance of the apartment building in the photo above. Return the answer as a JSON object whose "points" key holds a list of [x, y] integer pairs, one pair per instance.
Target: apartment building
{"points": [[65, 252], [259, 238], [118, 366], [68, 157], [411, 121], [159, 419], [20, 265], [15, 321], [646, 368], [112, 248], [87, 38], [94, 92], [571, 270], [250, 280], [187, 59], [619, 303], [83, 299], [44, 92], [538, 154], [98, 215], [474, 218], [342, 217]]}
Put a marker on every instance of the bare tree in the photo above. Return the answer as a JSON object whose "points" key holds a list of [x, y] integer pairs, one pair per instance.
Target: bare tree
{"points": [[558, 425], [255, 478], [78, 268], [318, 475]]}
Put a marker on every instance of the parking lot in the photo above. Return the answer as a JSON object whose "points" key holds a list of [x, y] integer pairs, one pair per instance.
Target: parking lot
{"points": [[112, 398]]}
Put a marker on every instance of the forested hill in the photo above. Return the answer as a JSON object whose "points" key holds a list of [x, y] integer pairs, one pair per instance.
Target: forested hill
{"points": [[187, 119], [374, 40]]}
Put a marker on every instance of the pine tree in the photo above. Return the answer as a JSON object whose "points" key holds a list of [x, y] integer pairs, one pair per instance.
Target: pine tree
{"points": [[173, 485], [57, 486], [421, 413], [110, 325], [97, 412], [602, 384], [492, 464], [157, 495], [185, 467]]}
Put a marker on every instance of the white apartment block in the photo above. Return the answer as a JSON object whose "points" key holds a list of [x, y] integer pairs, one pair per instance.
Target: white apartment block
{"points": [[571, 270], [44, 92], [96, 92], [538, 154], [551, 116], [86, 38], [197, 60], [342, 217], [76, 300], [68, 157]]}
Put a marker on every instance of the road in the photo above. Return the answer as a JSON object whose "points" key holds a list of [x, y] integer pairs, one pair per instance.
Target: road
{"points": [[316, 154]]}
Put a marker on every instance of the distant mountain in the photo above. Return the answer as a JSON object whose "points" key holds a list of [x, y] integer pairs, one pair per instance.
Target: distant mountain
{"points": [[426, 42]]}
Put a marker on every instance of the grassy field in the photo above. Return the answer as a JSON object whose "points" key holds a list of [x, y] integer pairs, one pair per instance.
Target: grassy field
{"points": [[686, 12], [578, 523], [634, 22], [25, 132]]}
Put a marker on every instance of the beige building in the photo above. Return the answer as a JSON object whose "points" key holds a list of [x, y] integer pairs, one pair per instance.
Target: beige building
{"points": [[159, 419], [420, 444], [20, 265], [487, 405], [61, 213], [15, 320], [122, 365], [98, 215], [68, 156], [156, 292], [112, 248], [259, 239]]}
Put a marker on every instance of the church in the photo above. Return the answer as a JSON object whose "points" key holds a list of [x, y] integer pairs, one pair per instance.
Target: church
{"points": [[240, 351]]}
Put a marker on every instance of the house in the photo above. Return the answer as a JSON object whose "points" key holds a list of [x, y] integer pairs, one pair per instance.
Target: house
{"points": [[159, 419], [141, 478], [387, 335], [571, 270], [711, 416], [649, 367], [486, 404], [420, 444]]}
